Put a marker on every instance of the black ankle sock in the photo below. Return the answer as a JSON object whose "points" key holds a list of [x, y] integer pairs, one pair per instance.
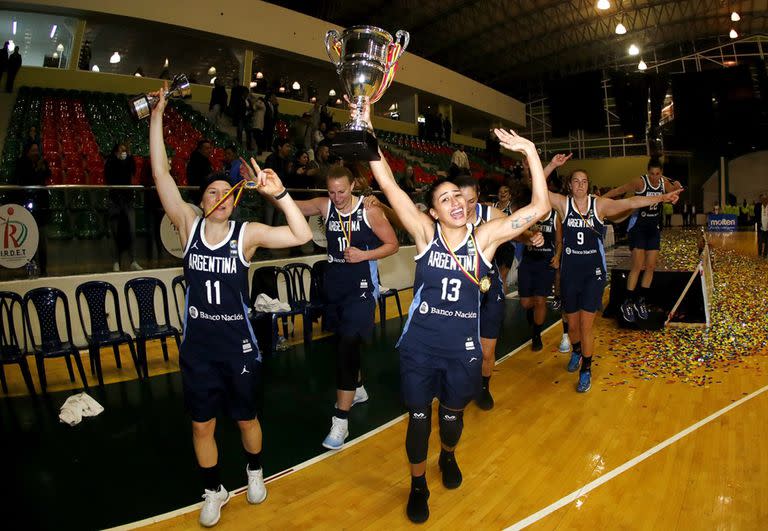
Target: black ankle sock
{"points": [[586, 363], [565, 327], [486, 382], [529, 315], [419, 482], [446, 454], [210, 477], [254, 460], [644, 292], [537, 328], [341, 414], [577, 346], [631, 295]]}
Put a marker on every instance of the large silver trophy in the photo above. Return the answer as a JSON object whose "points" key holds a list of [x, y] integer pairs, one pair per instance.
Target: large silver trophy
{"points": [[365, 58], [141, 106]]}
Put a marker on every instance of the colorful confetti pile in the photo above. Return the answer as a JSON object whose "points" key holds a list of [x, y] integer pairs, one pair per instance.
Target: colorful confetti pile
{"points": [[739, 322]]}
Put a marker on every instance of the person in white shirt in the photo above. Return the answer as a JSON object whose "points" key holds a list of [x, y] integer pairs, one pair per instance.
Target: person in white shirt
{"points": [[761, 220], [460, 159]]}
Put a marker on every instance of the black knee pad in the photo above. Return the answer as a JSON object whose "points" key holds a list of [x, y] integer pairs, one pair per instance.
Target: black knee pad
{"points": [[347, 363], [451, 424], [417, 436]]}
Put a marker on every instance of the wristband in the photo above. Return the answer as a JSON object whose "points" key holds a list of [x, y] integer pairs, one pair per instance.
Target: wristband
{"points": [[281, 194]]}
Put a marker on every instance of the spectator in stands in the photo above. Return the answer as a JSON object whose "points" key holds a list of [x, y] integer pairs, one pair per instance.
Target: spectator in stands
{"points": [[271, 112], [33, 137], [303, 171], [84, 63], [407, 183], [323, 161], [447, 129], [686, 214], [199, 165], [32, 170], [14, 64], [330, 135], [280, 162], [218, 102], [232, 164], [3, 59], [460, 159], [318, 136], [761, 222], [238, 98], [118, 171], [254, 121], [301, 132]]}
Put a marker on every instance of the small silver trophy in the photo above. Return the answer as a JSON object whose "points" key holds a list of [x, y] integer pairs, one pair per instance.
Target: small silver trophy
{"points": [[365, 58], [141, 106]]}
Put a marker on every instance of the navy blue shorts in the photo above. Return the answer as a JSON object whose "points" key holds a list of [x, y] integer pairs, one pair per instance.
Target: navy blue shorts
{"points": [[215, 385], [581, 288], [454, 381], [351, 317], [535, 278], [645, 236], [492, 310]]}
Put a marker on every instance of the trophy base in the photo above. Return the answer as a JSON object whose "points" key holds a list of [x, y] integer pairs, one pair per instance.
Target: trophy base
{"points": [[355, 145]]}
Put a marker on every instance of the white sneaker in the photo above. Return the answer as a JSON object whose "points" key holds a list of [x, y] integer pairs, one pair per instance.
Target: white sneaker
{"points": [[257, 491], [211, 510], [135, 266], [116, 267], [337, 435], [361, 395], [565, 344]]}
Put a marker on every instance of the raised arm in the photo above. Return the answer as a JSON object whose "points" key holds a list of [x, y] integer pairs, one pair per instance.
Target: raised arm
{"points": [[635, 185], [610, 207], [490, 235], [557, 161], [297, 232], [180, 213], [383, 230]]}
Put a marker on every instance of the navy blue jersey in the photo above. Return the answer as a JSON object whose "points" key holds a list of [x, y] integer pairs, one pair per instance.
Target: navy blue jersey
{"points": [[649, 215], [443, 317], [343, 279], [582, 237], [507, 209], [216, 310], [548, 229]]}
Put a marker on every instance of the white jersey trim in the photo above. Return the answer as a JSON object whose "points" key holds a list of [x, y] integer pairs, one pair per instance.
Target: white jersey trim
{"points": [[223, 242], [191, 234], [593, 200], [240, 248]]}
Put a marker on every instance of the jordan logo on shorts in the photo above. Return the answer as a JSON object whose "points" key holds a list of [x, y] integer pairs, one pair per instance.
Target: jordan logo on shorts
{"points": [[245, 370], [472, 359]]}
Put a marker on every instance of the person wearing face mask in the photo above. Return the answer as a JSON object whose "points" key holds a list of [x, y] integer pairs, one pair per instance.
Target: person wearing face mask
{"points": [[219, 358], [32, 170], [118, 171]]}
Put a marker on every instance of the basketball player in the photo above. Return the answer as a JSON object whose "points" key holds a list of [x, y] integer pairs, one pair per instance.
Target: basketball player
{"points": [[439, 354], [219, 358], [644, 233], [493, 302], [357, 237], [583, 269]]}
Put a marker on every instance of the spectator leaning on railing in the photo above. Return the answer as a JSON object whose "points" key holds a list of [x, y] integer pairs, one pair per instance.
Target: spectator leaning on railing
{"points": [[119, 170]]}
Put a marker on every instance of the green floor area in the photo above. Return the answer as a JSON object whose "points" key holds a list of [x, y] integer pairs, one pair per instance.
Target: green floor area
{"points": [[135, 460]]}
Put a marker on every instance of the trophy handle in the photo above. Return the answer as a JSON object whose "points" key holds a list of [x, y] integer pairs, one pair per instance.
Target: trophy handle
{"points": [[331, 42], [402, 38]]}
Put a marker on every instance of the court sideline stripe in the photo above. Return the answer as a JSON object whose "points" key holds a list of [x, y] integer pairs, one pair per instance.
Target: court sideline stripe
{"points": [[576, 494], [300, 466]]}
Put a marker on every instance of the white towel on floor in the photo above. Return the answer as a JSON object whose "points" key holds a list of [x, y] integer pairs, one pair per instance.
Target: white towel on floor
{"points": [[78, 406]]}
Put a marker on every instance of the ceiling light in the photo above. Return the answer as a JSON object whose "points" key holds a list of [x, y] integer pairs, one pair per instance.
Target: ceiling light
{"points": [[331, 93], [55, 55], [95, 68], [620, 29], [733, 34], [281, 90], [165, 64], [603, 4], [60, 48], [115, 58], [14, 27], [641, 65], [633, 49], [259, 75], [313, 99], [735, 17], [296, 86], [53, 30]]}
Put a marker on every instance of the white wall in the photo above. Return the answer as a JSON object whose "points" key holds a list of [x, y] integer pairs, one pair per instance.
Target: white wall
{"points": [[747, 179]]}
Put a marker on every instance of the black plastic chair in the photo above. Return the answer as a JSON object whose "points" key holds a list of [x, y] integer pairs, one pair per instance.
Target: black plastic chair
{"points": [[11, 351], [383, 296], [45, 301], [143, 289], [100, 335], [317, 291], [265, 280], [178, 283], [299, 294]]}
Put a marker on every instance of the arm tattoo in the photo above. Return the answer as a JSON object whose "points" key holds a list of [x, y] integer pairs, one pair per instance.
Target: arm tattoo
{"points": [[517, 222]]}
